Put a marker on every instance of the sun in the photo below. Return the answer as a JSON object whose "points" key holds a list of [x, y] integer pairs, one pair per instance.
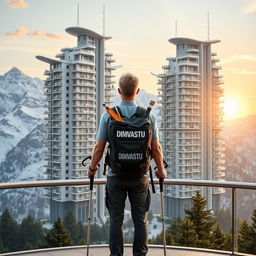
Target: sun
{"points": [[231, 108]]}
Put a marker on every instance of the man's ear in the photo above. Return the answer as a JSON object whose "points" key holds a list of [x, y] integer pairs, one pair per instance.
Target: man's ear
{"points": [[119, 91], [138, 90]]}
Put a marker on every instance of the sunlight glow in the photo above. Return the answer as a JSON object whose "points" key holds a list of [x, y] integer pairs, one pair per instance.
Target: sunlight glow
{"points": [[231, 108]]}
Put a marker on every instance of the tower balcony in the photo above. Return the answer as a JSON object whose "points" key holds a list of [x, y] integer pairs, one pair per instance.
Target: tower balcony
{"points": [[189, 79], [83, 77], [84, 52], [109, 81], [216, 67], [47, 72], [84, 70], [188, 63]]}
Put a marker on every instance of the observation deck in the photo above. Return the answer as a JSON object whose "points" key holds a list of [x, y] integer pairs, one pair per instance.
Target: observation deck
{"points": [[102, 250], [154, 250]]}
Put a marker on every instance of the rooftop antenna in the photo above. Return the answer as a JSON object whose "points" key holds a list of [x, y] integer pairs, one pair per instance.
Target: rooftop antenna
{"points": [[103, 19], [77, 15], [176, 28], [208, 25]]}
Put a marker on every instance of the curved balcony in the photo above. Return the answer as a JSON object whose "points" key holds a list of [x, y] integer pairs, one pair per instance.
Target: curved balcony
{"points": [[155, 250], [101, 250]]}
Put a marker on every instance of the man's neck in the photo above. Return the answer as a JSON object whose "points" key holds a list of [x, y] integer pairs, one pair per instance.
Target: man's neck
{"points": [[128, 98]]}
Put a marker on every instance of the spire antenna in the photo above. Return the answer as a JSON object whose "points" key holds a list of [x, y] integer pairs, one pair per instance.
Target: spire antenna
{"points": [[77, 21], [208, 25], [176, 28], [103, 19]]}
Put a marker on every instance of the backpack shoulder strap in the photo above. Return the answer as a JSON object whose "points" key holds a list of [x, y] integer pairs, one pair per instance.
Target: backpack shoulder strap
{"points": [[140, 112]]}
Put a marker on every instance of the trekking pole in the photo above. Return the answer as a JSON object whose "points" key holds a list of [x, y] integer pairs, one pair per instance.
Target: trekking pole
{"points": [[89, 208], [162, 213], [89, 215]]}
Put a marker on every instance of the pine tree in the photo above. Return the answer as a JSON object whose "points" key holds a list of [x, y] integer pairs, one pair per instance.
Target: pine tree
{"points": [[81, 233], [71, 226], [253, 233], [223, 217], [218, 238], [228, 242], [244, 237], [202, 220], [174, 230], [58, 235], [31, 232], [187, 234], [28, 246], [2, 249], [8, 231]]}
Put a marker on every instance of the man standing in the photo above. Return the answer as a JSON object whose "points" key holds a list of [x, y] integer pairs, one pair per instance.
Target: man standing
{"points": [[117, 187]]}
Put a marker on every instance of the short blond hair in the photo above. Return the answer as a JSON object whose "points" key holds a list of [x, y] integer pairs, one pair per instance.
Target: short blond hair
{"points": [[128, 84]]}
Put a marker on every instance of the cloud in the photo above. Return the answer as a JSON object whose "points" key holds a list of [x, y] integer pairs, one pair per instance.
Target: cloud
{"points": [[239, 57], [22, 31], [16, 4], [249, 6], [42, 34]]}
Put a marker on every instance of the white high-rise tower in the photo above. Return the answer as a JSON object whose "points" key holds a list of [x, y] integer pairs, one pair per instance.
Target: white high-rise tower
{"points": [[78, 83], [192, 113]]}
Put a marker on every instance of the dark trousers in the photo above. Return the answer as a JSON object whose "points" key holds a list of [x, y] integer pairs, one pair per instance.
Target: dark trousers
{"points": [[138, 193]]}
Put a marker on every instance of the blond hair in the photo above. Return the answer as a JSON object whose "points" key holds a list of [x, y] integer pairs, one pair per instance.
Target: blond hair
{"points": [[128, 84]]}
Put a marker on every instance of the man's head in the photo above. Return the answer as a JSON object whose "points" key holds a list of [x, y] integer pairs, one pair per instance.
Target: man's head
{"points": [[128, 86]]}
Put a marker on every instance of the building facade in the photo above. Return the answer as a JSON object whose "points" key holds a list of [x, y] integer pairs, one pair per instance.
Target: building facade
{"points": [[191, 100], [79, 81]]}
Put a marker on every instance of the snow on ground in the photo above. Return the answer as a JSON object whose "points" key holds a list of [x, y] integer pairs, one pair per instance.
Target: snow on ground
{"points": [[154, 227], [33, 112]]}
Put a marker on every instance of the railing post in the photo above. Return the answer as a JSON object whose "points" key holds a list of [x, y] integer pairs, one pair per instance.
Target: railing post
{"points": [[234, 219]]}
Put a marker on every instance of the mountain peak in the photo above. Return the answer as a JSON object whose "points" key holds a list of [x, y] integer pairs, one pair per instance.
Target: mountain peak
{"points": [[14, 71]]}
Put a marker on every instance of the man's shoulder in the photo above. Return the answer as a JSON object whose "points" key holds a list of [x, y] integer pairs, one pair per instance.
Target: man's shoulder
{"points": [[104, 118]]}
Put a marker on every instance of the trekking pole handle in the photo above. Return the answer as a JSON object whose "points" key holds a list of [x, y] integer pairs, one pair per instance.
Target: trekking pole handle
{"points": [[91, 182], [165, 164], [161, 184], [83, 162]]}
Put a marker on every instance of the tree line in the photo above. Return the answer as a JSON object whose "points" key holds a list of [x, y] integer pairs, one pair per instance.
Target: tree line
{"points": [[198, 229], [30, 234]]}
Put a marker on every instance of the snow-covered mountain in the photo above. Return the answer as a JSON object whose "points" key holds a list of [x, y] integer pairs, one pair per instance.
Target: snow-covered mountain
{"points": [[21, 141], [21, 108], [240, 136]]}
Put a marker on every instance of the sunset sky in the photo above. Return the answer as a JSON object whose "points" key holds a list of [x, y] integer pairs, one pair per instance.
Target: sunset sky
{"points": [[140, 31]]}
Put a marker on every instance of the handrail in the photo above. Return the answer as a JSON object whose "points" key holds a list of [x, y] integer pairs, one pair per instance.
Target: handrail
{"points": [[205, 183], [101, 181]]}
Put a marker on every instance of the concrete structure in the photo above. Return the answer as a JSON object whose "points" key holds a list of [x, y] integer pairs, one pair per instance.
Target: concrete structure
{"points": [[101, 250], [191, 114], [78, 83]]}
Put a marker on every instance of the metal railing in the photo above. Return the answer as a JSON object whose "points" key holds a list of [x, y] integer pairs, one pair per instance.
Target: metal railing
{"points": [[202, 183]]}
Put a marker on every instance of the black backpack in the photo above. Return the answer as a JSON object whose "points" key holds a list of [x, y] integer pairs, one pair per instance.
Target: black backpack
{"points": [[129, 151]]}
